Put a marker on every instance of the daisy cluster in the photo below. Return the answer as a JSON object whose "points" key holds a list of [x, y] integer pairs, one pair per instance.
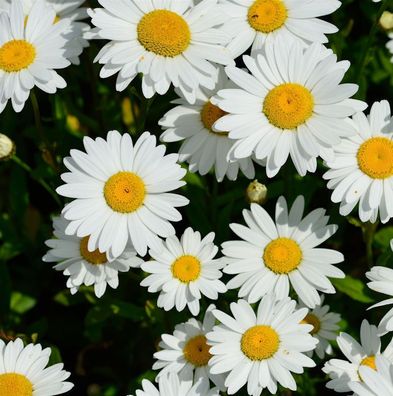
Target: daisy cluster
{"points": [[288, 103]]}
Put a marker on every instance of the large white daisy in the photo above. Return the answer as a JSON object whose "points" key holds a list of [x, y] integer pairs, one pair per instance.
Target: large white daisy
{"points": [[30, 54], [342, 372], [292, 104], [261, 350], [182, 271], [171, 385], [23, 371], [273, 255], [73, 13], [171, 42], [203, 148], [325, 327], [378, 382], [186, 352], [382, 281], [361, 172], [257, 22], [83, 266], [122, 193]]}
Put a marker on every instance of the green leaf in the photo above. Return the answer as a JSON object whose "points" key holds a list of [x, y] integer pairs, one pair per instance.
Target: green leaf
{"points": [[383, 237], [353, 288], [21, 303]]}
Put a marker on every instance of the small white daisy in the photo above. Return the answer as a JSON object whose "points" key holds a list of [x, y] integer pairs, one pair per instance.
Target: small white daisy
{"points": [[182, 271], [23, 372], [171, 42], [172, 385], [377, 382], [273, 255], [186, 352], [261, 350], [257, 22], [65, 10], [30, 54], [325, 327], [382, 281], [83, 266], [203, 148], [292, 104], [361, 171], [122, 193], [342, 372]]}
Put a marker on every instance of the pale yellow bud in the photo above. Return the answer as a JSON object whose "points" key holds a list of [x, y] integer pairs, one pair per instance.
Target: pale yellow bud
{"points": [[7, 147], [386, 20], [256, 193]]}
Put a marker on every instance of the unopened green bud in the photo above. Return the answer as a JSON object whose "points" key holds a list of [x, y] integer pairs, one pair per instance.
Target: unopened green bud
{"points": [[7, 147]]}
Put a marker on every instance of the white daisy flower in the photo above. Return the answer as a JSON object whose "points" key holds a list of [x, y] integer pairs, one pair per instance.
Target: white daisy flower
{"points": [[325, 327], [261, 350], [377, 382], [65, 10], [23, 372], [291, 105], [182, 271], [27, 57], [122, 193], [342, 372], [361, 172], [186, 352], [83, 266], [257, 22], [203, 148], [172, 385], [382, 281], [273, 255], [169, 42]]}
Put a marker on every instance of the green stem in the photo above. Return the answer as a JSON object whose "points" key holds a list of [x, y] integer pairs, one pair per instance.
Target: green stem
{"points": [[149, 103], [369, 230], [370, 40], [43, 183]]}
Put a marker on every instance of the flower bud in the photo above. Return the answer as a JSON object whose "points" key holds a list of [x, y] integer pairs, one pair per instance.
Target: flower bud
{"points": [[386, 20], [256, 193], [7, 147]]}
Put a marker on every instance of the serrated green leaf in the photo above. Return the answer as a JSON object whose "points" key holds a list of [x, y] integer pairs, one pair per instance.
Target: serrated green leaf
{"points": [[21, 303]]}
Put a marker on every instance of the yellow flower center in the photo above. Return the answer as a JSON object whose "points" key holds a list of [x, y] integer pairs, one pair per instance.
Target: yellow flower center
{"points": [[124, 192], [288, 105], [164, 32], [209, 115], [375, 157], [197, 352], [369, 361], [260, 342], [12, 384], [186, 268], [16, 55], [314, 321], [267, 15], [282, 255], [95, 257]]}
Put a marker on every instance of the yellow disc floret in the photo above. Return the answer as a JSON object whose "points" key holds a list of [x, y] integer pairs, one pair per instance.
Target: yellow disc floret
{"points": [[164, 32], [267, 16], [288, 105], [314, 321], [209, 115], [375, 158], [282, 255], [124, 192], [260, 342], [186, 268], [95, 257], [197, 352], [16, 55], [12, 384], [369, 361]]}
